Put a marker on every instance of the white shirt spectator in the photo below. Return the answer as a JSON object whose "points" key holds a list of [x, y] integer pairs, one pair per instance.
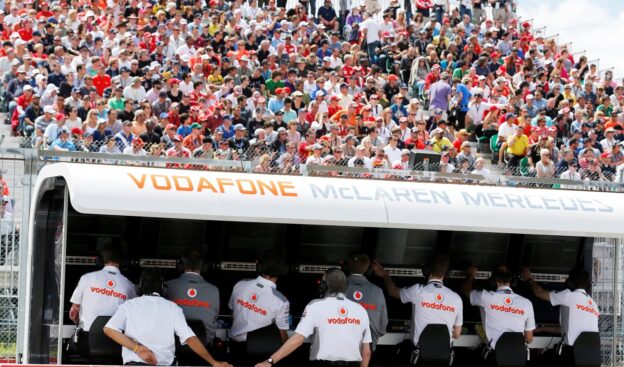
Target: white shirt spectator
{"points": [[136, 94], [394, 154], [372, 27]]}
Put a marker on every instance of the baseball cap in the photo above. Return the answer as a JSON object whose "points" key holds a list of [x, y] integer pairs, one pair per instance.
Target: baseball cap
{"points": [[195, 125], [240, 127], [177, 138]]}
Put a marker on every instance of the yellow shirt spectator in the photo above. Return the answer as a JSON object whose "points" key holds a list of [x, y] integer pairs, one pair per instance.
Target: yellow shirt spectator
{"points": [[517, 145], [437, 145]]}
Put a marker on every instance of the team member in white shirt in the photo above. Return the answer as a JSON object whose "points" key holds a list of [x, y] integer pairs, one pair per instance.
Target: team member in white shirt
{"points": [[432, 303], [340, 327], [578, 313], [502, 310], [99, 293], [256, 303], [145, 327]]}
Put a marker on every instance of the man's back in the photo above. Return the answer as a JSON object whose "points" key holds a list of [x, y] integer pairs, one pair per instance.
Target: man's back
{"points": [[256, 303], [152, 321], [371, 297], [100, 293], [198, 299], [432, 304], [503, 311]]}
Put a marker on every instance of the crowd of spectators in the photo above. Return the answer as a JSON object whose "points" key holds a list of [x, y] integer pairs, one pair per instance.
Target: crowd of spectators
{"points": [[352, 83]]}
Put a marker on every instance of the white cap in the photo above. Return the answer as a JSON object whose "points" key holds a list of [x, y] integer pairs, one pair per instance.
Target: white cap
{"points": [[48, 109], [530, 96]]}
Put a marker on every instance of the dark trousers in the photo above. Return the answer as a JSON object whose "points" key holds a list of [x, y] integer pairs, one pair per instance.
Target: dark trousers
{"points": [[461, 120], [238, 354], [514, 160]]}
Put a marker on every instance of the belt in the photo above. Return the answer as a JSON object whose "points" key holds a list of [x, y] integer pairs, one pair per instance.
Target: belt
{"points": [[321, 363]]}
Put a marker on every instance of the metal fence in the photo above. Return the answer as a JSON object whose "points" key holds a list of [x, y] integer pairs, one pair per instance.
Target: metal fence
{"points": [[12, 210]]}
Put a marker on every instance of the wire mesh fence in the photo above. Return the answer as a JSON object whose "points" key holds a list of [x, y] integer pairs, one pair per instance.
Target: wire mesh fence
{"points": [[342, 156], [11, 210], [608, 269]]}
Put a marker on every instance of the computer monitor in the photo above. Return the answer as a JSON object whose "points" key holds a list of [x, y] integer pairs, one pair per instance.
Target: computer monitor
{"points": [[424, 160]]}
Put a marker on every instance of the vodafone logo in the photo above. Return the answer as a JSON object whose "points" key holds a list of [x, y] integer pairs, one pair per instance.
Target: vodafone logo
{"points": [[508, 301], [439, 298], [357, 295], [590, 302], [192, 292], [343, 311], [253, 298], [111, 284]]}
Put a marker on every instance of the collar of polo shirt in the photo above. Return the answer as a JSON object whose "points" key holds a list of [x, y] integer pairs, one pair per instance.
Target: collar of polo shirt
{"points": [[265, 281]]}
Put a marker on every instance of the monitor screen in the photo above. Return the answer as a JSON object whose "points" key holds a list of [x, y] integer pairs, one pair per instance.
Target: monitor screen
{"points": [[552, 254], [484, 250], [405, 247], [248, 241], [328, 244]]}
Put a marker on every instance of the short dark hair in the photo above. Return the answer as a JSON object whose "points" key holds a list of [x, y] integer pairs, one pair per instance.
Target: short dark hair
{"points": [[579, 278], [502, 274], [358, 263], [151, 282], [192, 259], [110, 253], [438, 265], [271, 264]]}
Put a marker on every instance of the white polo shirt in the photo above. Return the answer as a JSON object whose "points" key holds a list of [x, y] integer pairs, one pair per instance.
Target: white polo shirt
{"points": [[340, 327], [152, 321], [256, 303], [100, 293], [578, 313], [432, 303], [503, 311]]}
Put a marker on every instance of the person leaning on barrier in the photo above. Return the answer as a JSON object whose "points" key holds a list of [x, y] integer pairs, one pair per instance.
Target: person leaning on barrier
{"points": [[504, 310], [432, 303], [341, 329], [578, 313], [198, 299], [360, 290], [145, 327], [99, 293]]}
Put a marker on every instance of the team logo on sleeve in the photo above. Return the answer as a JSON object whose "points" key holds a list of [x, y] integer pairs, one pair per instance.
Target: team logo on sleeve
{"points": [[253, 298], [357, 295], [508, 301], [439, 298], [111, 284], [343, 311], [192, 292]]}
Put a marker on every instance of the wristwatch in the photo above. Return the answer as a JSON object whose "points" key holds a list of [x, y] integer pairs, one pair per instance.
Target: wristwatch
{"points": [[270, 361]]}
